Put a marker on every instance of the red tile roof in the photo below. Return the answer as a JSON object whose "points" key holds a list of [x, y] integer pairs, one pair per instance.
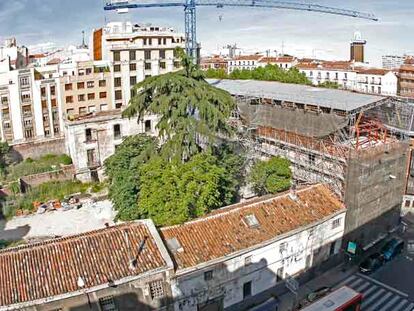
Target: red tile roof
{"points": [[54, 61], [225, 231], [372, 71], [248, 57], [282, 59], [52, 268]]}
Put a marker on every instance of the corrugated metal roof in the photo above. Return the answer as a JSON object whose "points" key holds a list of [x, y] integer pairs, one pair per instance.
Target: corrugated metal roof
{"points": [[303, 94], [227, 230]]}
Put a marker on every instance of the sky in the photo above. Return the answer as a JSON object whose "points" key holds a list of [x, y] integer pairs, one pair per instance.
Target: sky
{"points": [[39, 23]]}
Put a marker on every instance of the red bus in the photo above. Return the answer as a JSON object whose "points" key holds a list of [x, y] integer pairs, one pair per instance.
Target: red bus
{"points": [[342, 299]]}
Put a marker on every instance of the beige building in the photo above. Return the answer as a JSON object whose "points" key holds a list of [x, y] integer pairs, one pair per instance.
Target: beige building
{"points": [[87, 90]]}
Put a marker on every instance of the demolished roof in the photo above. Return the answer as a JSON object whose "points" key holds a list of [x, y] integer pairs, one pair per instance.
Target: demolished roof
{"points": [[245, 225]]}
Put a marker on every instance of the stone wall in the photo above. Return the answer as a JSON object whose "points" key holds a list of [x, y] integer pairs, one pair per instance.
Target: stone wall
{"points": [[67, 172], [36, 149]]}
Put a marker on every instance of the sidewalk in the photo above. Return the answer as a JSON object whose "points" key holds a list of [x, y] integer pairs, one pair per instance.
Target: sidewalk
{"points": [[330, 278]]}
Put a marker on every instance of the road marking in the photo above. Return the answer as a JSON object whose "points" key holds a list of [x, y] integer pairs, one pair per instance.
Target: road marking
{"points": [[391, 302], [356, 282], [348, 279], [410, 307], [383, 285], [362, 287], [367, 301], [368, 292], [379, 302], [401, 304]]}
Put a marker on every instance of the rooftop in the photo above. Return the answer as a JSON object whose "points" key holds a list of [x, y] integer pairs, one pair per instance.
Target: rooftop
{"points": [[280, 59], [241, 226], [302, 94], [248, 57], [95, 117], [52, 268]]}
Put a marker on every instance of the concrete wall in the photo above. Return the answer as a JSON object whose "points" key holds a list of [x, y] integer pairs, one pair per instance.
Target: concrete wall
{"points": [[374, 190], [301, 249]]}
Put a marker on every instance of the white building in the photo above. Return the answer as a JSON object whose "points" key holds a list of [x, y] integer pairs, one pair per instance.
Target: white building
{"points": [[283, 62], [91, 139], [377, 81], [392, 62], [338, 72], [248, 62], [135, 52], [240, 251], [18, 56]]}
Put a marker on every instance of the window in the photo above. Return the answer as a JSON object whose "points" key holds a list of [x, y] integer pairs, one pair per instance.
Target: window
{"points": [[145, 41], [102, 83], [345, 76], [132, 55], [177, 64], [132, 67], [53, 90], [117, 56], [147, 126], [28, 133], [88, 71], [68, 86], [118, 95], [159, 41], [69, 99], [247, 289], [90, 84], [70, 111], [283, 247], [147, 66], [118, 82], [24, 81], [133, 92], [102, 94], [118, 105], [279, 274], [247, 260], [162, 54], [336, 223], [156, 289], [81, 85], [43, 91], [251, 221], [81, 97], [164, 41], [91, 96], [208, 275], [26, 97], [311, 158], [162, 65], [4, 101], [82, 110], [150, 41], [107, 304], [117, 131], [88, 135], [117, 68], [147, 55], [332, 249], [133, 80]]}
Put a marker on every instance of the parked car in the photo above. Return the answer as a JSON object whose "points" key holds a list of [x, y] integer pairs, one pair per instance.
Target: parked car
{"points": [[392, 248], [372, 263], [320, 292]]}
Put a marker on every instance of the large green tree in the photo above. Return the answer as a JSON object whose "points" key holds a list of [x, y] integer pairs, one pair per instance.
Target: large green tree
{"points": [[122, 171], [271, 176], [192, 112], [172, 192]]}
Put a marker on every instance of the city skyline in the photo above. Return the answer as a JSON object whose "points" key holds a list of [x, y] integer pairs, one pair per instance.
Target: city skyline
{"points": [[61, 23]]}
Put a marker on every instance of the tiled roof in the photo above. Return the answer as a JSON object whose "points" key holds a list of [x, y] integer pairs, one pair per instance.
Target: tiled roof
{"points": [[54, 61], [282, 59], [372, 71], [248, 57], [225, 231], [52, 268]]}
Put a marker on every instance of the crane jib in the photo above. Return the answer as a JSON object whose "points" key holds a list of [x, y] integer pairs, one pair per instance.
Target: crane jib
{"points": [[190, 8]]}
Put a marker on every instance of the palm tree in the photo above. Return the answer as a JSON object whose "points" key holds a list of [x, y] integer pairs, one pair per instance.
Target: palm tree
{"points": [[192, 112]]}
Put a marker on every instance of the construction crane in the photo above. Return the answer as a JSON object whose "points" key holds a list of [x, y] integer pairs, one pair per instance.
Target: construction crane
{"points": [[190, 11]]}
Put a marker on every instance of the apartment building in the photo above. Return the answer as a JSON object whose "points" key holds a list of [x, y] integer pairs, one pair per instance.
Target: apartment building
{"points": [[406, 86], [248, 62], [283, 62], [392, 62], [18, 56], [214, 62], [86, 88], [29, 106], [377, 81], [135, 52]]}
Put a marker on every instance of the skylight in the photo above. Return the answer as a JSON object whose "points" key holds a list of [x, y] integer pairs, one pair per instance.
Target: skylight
{"points": [[251, 221]]}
